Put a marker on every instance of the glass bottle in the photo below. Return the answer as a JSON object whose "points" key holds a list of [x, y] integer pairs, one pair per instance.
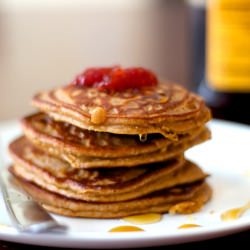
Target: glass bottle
{"points": [[226, 87]]}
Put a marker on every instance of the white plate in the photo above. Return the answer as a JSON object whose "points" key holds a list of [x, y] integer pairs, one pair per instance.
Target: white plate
{"points": [[225, 157]]}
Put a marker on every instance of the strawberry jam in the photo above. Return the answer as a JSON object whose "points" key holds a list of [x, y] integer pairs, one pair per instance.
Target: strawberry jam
{"points": [[116, 78]]}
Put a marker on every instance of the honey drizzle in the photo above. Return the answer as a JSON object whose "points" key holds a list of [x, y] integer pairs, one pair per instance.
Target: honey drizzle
{"points": [[188, 225], [125, 228], [143, 218], [143, 137], [235, 213]]}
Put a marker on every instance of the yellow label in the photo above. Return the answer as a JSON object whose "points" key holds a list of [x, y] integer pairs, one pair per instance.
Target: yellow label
{"points": [[228, 45]]}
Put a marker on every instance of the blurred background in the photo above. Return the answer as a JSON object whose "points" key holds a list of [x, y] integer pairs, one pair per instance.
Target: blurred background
{"points": [[45, 43]]}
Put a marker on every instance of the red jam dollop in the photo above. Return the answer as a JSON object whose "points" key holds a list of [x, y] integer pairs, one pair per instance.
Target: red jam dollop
{"points": [[116, 78]]}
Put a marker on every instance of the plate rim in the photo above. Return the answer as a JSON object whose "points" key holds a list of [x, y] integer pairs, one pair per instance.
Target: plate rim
{"points": [[135, 239]]}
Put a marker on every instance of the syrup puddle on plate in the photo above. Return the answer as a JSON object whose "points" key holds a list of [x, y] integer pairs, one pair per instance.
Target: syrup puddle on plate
{"points": [[125, 228], [137, 219], [188, 225], [235, 213]]}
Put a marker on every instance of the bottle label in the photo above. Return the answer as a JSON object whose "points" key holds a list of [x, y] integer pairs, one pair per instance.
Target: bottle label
{"points": [[228, 45]]}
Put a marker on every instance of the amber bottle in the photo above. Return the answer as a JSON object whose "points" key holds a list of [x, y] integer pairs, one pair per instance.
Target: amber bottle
{"points": [[226, 87]]}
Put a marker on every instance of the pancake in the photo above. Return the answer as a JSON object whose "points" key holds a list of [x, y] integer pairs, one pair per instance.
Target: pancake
{"points": [[102, 184], [183, 199], [46, 132], [111, 144], [87, 149], [167, 109]]}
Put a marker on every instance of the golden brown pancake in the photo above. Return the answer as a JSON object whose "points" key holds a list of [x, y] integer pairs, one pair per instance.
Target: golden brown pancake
{"points": [[183, 199], [87, 149], [45, 131], [167, 109], [100, 153], [104, 185]]}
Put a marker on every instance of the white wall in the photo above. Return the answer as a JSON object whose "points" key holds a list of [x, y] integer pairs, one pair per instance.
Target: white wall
{"points": [[44, 44]]}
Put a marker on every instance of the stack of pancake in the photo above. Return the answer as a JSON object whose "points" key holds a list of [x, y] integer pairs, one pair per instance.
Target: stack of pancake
{"points": [[110, 154]]}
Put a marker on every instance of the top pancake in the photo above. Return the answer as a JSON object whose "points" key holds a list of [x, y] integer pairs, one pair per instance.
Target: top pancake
{"points": [[167, 109]]}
